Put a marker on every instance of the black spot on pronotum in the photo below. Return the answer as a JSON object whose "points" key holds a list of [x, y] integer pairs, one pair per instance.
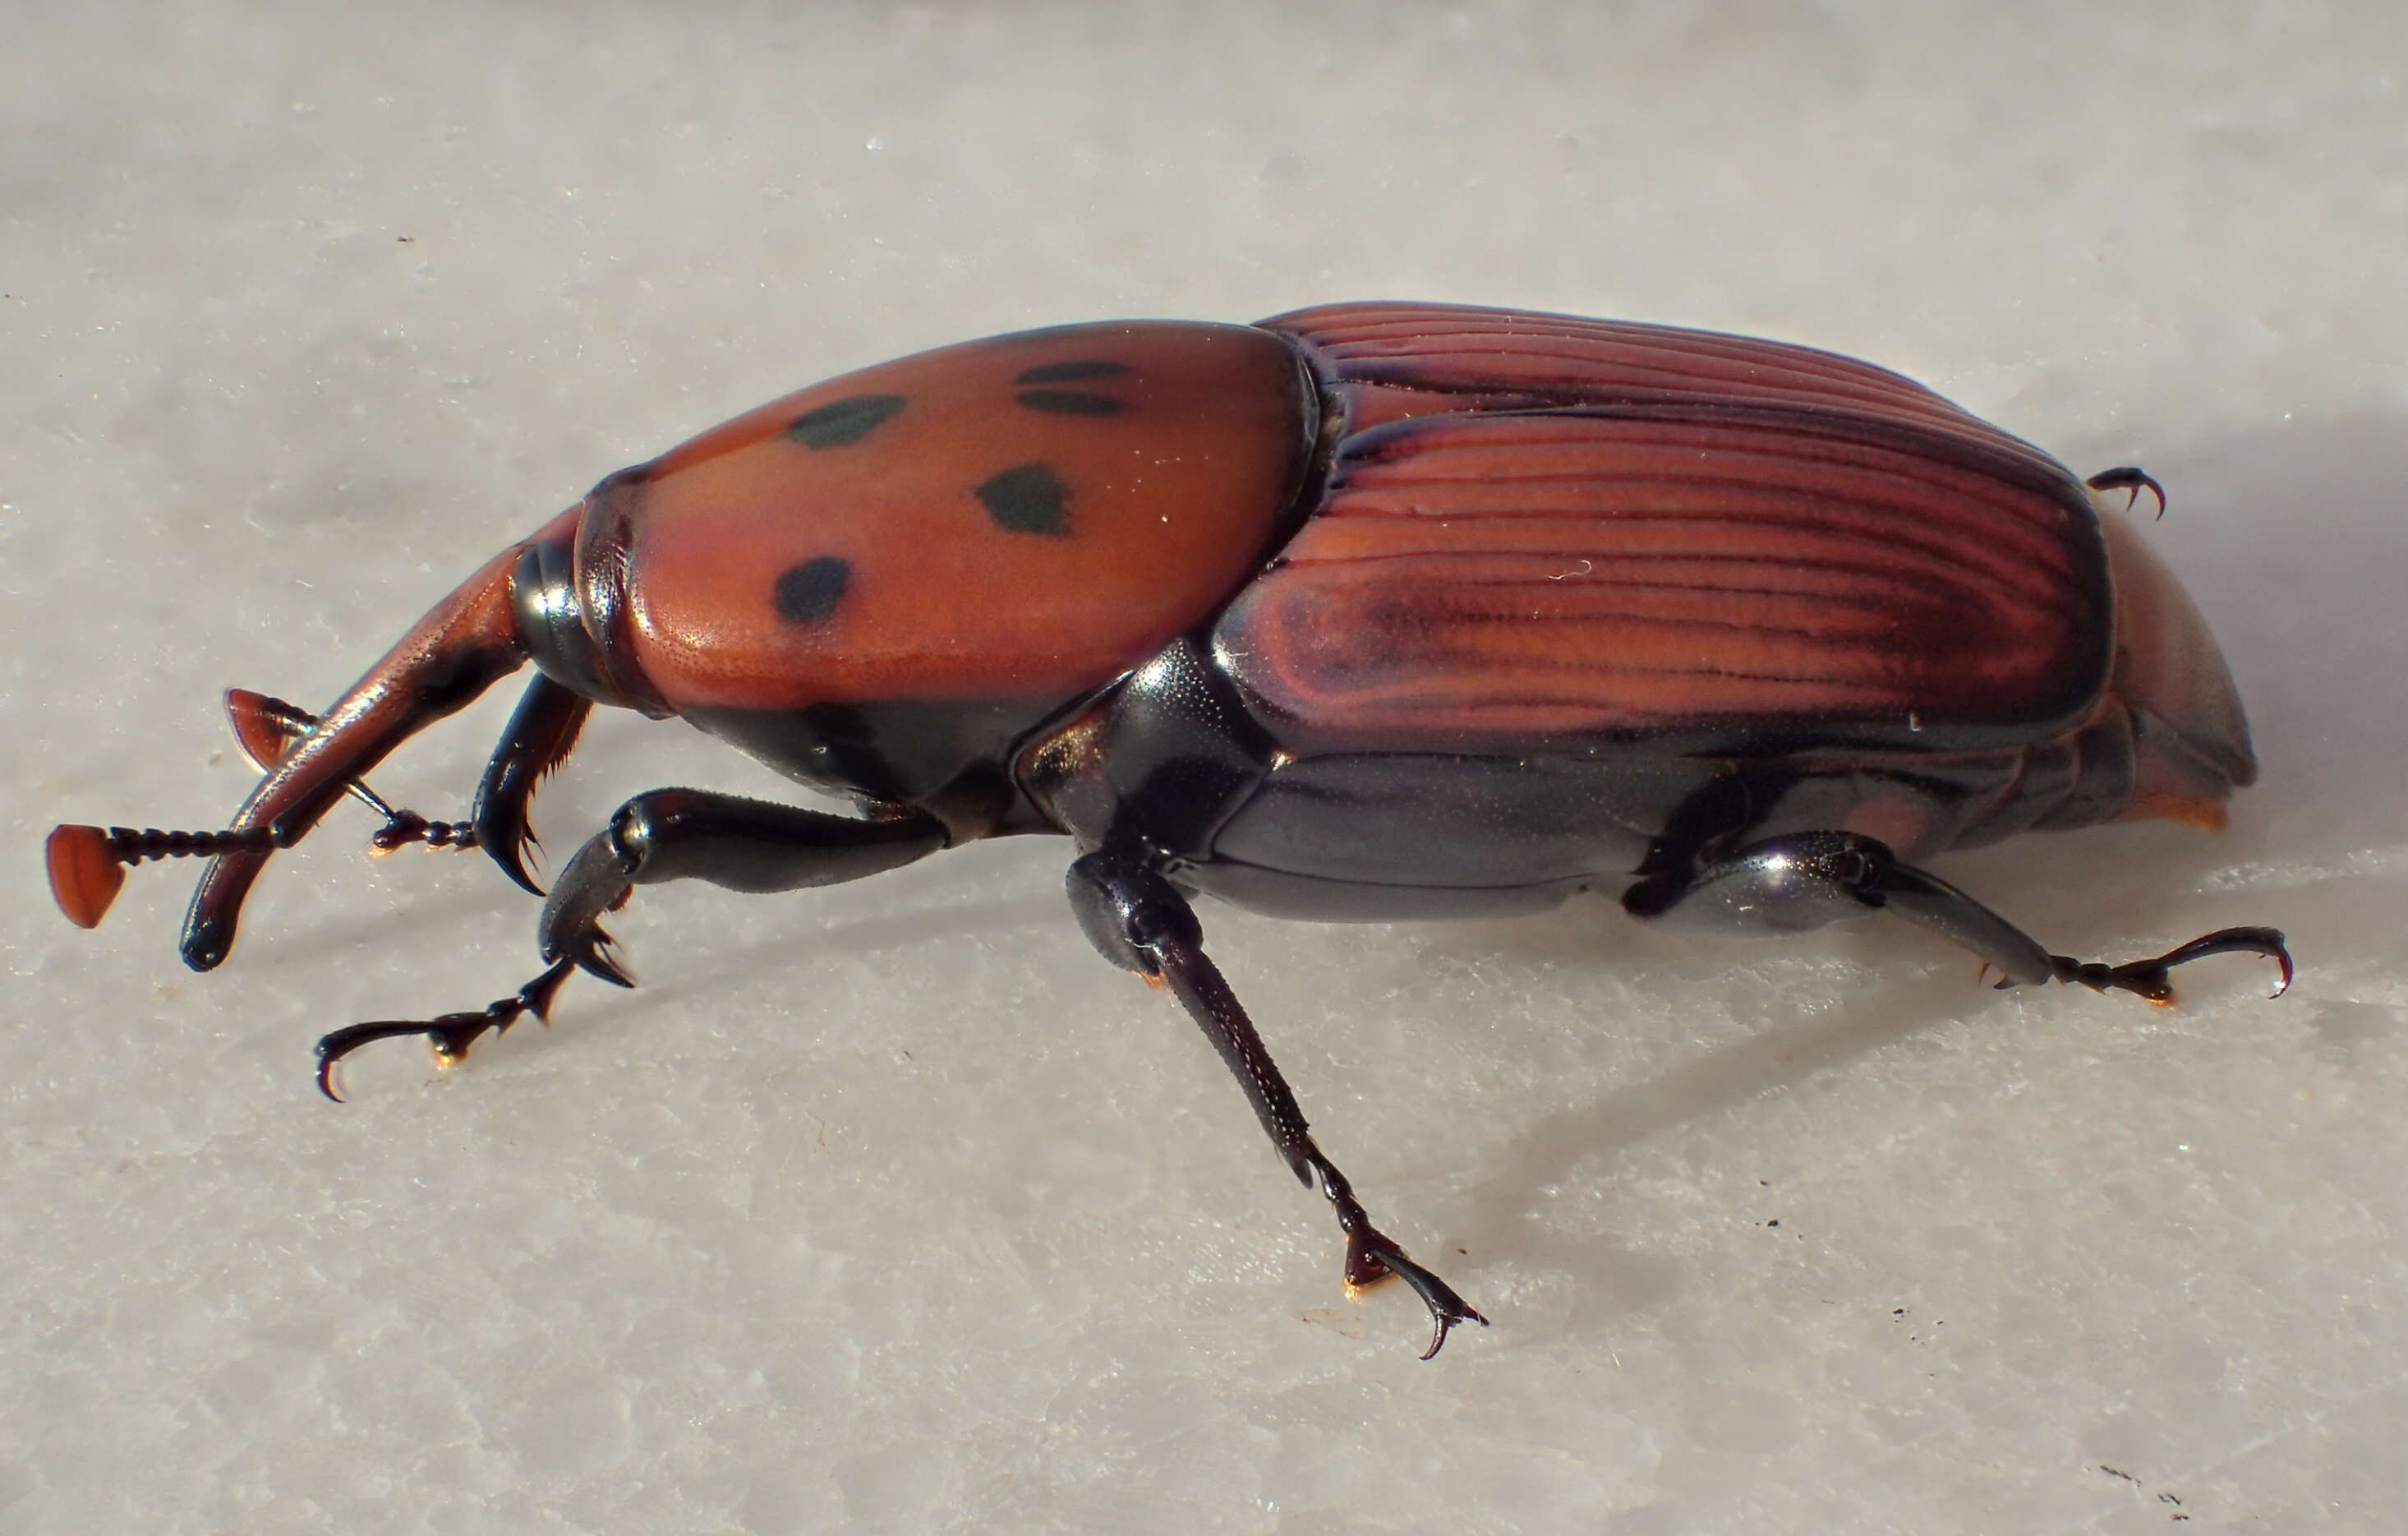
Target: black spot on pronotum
{"points": [[1068, 402], [1063, 373], [841, 423], [808, 592], [1028, 498]]}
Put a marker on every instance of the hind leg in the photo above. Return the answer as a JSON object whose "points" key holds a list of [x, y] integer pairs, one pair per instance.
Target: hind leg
{"points": [[1805, 880]]}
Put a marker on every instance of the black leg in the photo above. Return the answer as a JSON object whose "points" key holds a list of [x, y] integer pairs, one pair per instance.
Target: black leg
{"points": [[2126, 477], [1792, 884], [665, 834], [1139, 922], [451, 1035], [541, 731]]}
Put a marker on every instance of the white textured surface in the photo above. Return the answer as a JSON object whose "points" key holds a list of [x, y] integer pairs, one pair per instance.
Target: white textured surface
{"points": [[891, 1208]]}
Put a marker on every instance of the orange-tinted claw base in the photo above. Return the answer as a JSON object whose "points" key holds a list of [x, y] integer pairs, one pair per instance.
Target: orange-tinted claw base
{"points": [[1371, 1258], [2148, 979], [85, 875]]}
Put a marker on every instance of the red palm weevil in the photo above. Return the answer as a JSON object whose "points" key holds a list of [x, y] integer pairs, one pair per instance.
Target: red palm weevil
{"points": [[1365, 611]]}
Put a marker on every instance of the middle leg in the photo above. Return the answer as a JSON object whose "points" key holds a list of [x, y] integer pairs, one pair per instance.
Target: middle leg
{"points": [[1139, 922]]}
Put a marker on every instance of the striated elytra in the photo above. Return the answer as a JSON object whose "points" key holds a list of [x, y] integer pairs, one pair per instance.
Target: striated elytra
{"points": [[1366, 612]]}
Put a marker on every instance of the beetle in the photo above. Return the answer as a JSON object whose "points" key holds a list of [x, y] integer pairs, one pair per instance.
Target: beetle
{"points": [[1363, 612]]}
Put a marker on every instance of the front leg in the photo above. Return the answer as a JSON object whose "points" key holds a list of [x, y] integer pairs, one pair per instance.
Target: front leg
{"points": [[665, 834], [1789, 885], [1139, 922]]}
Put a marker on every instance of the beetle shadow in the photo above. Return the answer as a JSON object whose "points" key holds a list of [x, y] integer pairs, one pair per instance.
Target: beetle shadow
{"points": [[736, 969], [2289, 543], [1792, 1044]]}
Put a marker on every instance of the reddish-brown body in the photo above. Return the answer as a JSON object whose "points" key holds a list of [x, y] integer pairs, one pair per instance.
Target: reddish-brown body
{"points": [[1539, 528], [1366, 611], [1017, 519]]}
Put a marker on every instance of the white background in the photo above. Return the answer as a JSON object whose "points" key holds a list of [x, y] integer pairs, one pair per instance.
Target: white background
{"points": [[891, 1208]]}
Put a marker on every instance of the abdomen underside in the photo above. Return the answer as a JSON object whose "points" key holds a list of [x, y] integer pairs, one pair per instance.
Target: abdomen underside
{"points": [[1380, 836]]}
